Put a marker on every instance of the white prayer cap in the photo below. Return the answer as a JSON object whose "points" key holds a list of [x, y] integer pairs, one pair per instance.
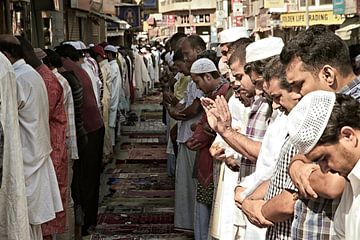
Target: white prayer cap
{"points": [[40, 54], [111, 48], [264, 48], [91, 45], [232, 34], [82, 45], [308, 119], [203, 65], [76, 45]]}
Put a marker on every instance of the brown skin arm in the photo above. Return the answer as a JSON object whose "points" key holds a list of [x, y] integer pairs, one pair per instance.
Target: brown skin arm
{"points": [[327, 185], [242, 144], [280, 207]]}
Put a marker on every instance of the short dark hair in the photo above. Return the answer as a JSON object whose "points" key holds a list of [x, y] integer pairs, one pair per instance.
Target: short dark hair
{"points": [[257, 66], [238, 43], [346, 112], [275, 69], [214, 74], [69, 51], [52, 58], [239, 54], [178, 56], [196, 41], [176, 37], [15, 50], [210, 54], [317, 47]]}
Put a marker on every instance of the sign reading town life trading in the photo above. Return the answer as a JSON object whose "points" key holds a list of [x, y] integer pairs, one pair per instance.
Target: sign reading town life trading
{"points": [[299, 19]]}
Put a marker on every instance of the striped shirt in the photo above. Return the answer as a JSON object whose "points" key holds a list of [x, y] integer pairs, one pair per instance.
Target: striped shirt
{"points": [[70, 114], [313, 219], [280, 181], [255, 130]]}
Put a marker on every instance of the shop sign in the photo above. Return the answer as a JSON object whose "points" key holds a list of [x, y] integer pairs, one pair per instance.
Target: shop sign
{"points": [[299, 19], [338, 7], [274, 3]]}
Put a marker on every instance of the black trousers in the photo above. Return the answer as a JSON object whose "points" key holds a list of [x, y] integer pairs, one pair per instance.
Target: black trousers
{"points": [[86, 179]]}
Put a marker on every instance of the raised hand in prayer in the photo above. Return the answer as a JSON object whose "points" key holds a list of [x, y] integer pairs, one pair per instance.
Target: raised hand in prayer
{"points": [[218, 113], [252, 210], [300, 170]]}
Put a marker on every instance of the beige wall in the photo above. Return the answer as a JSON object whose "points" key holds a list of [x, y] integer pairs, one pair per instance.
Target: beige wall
{"points": [[166, 6]]}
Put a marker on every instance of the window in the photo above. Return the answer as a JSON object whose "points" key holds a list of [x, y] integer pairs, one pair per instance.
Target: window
{"points": [[325, 2], [310, 2]]}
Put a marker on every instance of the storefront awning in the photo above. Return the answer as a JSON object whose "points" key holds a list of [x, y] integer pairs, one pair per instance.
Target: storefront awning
{"points": [[115, 33], [298, 19], [122, 24], [345, 32]]}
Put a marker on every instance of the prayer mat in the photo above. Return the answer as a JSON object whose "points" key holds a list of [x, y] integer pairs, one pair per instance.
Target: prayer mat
{"points": [[140, 218]]}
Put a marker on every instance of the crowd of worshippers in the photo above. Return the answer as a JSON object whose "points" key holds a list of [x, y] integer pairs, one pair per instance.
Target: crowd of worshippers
{"points": [[61, 112], [264, 136]]}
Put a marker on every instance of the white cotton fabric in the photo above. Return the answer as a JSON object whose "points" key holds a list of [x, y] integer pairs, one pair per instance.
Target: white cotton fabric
{"points": [[116, 92], [42, 190], [140, 76], [308, 119], [94, 80], [14, 221], [264, 48], [184, 127], [271, 145], [203, 65], [347, 218], [233, 34]]}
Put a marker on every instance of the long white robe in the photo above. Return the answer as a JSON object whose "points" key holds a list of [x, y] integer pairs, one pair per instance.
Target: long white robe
{"points": [[42, 191], [141, 76], [105, 101], [14, 220]]}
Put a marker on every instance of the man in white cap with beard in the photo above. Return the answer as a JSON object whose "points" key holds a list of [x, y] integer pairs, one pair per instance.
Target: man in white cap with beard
{"points": [[117, 90]]}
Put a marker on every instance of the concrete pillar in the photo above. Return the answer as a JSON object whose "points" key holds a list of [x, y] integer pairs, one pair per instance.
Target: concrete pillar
{"points": [[58, 25]]}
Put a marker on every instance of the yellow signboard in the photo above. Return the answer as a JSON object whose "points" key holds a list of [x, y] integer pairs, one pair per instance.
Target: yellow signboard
{"points": [[299, 19], [273, 3]]}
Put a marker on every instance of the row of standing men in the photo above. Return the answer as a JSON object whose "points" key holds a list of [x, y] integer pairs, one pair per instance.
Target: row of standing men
{"points": [[64, 108], [242, 149]]}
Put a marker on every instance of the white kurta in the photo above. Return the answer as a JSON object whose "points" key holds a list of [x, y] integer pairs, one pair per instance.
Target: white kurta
{"points": [[94, 81], [271, 145], [42, 191], [347, 217], [116, 92], [140, 76], [14, 221]]}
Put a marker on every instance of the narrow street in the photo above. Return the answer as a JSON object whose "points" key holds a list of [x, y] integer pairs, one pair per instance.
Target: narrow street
{"points": [[137, 196]]}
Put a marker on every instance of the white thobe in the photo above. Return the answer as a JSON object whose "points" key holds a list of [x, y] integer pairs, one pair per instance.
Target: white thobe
{"points": [[14, 221], [140, 76], [42, 190], [94, 81]]}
